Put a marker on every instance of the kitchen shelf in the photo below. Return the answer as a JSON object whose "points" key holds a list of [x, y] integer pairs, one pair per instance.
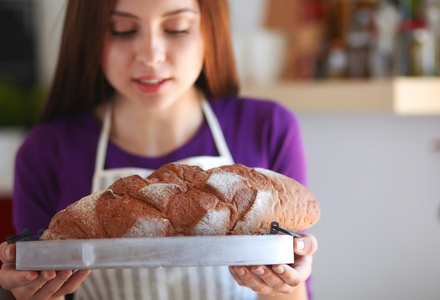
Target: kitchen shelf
{"points": [[400, 95]]}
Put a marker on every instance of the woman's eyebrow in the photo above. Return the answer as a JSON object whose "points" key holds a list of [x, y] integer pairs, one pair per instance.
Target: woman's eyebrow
{"points": [[180, 11], [167, 14], [124, 14]]}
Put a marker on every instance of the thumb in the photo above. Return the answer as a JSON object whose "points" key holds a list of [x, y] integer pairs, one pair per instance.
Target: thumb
{"points": [[7, 252], [306, 245]]}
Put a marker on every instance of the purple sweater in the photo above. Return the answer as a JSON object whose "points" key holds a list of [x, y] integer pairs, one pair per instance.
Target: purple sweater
{"points": [[55, 164]]}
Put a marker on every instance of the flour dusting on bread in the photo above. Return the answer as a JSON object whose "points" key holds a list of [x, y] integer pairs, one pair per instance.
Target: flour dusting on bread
{"points": [[215, 222], [149, 228], [181, 200], [224, 183], [260, 209], [158, 194]]}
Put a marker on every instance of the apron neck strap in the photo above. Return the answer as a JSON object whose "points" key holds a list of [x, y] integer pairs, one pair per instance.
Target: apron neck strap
{"points": [[216, 130], [102, 145]]}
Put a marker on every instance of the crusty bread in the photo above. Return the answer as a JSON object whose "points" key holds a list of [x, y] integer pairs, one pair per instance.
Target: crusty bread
{"points": [[180, 200]]}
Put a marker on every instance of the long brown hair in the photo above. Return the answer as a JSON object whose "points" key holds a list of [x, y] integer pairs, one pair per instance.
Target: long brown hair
{"points": [[79, 82]]}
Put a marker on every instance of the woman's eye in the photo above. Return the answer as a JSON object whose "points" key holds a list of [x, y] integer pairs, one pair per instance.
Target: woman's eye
{"points": [[177, 32], [123, 33], [122, 28]]}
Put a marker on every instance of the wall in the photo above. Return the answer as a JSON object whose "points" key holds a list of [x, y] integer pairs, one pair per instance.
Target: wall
{"points": [[246, 15], [377, 179], [49, 17]]}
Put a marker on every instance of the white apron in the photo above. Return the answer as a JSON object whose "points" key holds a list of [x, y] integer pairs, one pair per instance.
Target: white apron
{"points": [[191, 283]]}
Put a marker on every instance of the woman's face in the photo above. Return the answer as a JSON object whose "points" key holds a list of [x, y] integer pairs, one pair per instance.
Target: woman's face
{"points": [[154, 51]]}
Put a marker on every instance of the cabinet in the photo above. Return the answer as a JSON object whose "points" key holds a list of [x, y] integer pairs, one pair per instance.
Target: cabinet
{"points": [[400, 95]]}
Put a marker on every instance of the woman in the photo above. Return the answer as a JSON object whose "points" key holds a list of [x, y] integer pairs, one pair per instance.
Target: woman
{"points": [[129, 95]]}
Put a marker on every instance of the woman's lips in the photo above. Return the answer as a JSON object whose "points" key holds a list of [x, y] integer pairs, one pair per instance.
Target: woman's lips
{"points": [[150, 84]]}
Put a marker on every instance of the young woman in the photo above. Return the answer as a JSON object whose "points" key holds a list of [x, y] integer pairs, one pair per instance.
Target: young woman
{"points": [[141, 83]]}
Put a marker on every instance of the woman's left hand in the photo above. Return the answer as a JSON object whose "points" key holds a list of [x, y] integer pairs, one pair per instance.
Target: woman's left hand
{"points": [[271, 280]]}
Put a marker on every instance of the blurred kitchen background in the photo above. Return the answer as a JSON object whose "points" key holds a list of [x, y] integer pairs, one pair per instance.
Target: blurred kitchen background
{"points": [[362, 77]]}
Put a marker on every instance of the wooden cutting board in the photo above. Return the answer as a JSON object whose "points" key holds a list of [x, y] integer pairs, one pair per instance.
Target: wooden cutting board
{"points": [[155, 252]]}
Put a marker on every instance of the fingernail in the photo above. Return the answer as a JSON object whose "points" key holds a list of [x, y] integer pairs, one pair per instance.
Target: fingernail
{"points": [[300, 245], [8, 252], [65, 275], [30, 277], [45, 276], [240, 271], [259, 271], [278, 269]]}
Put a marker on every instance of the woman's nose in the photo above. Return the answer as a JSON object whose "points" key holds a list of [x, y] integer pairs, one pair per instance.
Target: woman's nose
{"points": [[151, 50]]}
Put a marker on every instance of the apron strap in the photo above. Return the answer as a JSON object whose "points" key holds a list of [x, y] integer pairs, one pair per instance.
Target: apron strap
{"points": [[102, 147], [216, 131]]}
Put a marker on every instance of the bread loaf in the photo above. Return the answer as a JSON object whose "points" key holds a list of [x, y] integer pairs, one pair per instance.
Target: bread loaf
{"points": [[182, 200]]}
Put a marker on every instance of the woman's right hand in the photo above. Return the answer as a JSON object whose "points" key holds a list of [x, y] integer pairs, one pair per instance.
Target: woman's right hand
{"points": [[36, 285]]}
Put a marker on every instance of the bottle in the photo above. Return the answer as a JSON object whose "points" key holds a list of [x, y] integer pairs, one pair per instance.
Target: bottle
{"points": [[338, 23], [417, 54], [386, 19], [432, 13], [337, 61], [360, 40]]}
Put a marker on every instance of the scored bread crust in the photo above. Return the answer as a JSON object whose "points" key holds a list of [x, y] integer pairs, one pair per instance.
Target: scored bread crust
{"points": [[183, 200]]}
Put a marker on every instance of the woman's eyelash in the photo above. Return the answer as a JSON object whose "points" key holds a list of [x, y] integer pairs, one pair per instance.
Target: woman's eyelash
{"points": [[132, 32], [123, 33], [177, 31]]}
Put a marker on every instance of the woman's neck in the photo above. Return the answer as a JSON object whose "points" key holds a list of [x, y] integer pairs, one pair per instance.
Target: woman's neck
{"points": [[154, 133]]}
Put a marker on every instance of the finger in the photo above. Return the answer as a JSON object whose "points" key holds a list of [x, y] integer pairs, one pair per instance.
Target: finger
{"points": [[40, 281], [303, 265], [73, 283], [252, 281], [53, 285], [307, 245], [236, 277], [273, 279], [10, 278], [28, 290], [296, 273], [7, 252], [289, 275]]}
